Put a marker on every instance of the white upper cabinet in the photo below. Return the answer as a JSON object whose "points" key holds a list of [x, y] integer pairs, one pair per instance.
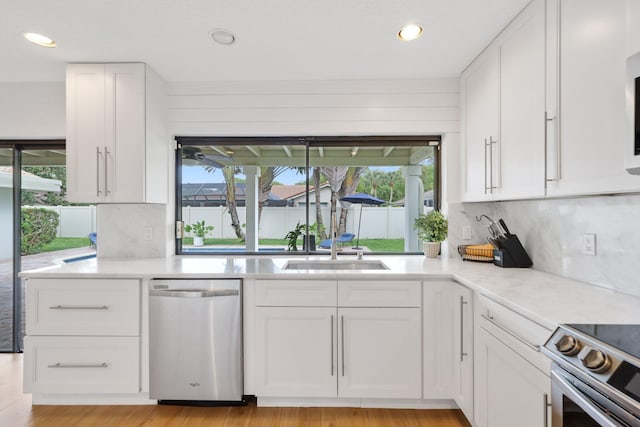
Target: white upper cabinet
{"points": [[480, 89], [117, 144], [587, 155], [522, 105], [503, 116], [561, 121]]}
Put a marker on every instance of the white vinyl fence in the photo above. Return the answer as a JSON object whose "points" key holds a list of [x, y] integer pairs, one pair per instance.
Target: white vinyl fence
{"points": [[276, 222]]}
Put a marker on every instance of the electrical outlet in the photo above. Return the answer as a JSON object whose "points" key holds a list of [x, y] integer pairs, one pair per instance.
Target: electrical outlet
{"points": [[148, 233], [589, 244], [466, 232]]}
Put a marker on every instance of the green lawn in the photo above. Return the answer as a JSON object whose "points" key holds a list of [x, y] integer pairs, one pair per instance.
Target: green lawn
{"points": [[60, 243]]}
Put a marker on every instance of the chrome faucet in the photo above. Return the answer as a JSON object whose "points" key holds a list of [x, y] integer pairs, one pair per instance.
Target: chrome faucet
{"points": [[334, 234]]}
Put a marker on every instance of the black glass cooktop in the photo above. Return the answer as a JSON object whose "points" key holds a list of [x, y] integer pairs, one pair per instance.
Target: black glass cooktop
{"points": [[623, 337]]}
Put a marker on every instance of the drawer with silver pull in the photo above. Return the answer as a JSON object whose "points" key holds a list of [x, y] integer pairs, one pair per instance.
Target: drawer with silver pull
{"points": [[522, 335], [83, 307], [81, 364]]}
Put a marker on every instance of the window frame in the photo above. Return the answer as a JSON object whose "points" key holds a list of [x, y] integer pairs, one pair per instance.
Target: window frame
{"points": [[309, 142]]}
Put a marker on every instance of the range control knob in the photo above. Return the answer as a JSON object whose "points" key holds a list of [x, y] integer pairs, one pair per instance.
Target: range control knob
{"points": [[595, 360], [568, 345]]}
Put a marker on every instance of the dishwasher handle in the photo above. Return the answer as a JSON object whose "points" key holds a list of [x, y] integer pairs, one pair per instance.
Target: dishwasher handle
{"points": [[193, 293]]}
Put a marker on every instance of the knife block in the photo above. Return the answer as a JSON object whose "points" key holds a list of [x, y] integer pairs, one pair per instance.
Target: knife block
{"points": [[511, 253]]}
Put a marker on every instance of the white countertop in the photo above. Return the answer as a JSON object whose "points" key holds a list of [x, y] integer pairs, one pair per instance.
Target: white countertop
{"points": [[544, 298]]}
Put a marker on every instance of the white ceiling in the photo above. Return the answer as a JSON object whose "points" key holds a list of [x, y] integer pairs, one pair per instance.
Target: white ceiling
{"points": [[276, 39]]}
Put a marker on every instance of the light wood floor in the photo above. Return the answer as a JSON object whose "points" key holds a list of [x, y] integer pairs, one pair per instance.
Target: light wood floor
{"points": [[16, 411]]}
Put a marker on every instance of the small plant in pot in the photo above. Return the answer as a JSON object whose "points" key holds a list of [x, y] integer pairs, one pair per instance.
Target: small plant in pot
{"points": [[293, 235], [432, 229], [200, 231]]}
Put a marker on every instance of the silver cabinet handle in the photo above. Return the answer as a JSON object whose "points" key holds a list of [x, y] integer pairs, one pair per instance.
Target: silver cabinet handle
{"points": [[552, 150], [545, 406], [79, 307], [491, 186], [79, 365], [518, 337], [342, 339], [486, 188], [98, 154], [332, 345], [462, 353], [106, 171]]}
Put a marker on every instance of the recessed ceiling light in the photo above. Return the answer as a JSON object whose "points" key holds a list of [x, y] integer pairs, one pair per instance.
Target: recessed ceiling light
{"points": [[410, 32], [222, 36], [39, 39]]}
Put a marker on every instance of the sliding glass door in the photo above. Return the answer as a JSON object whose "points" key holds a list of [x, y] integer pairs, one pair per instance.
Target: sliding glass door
{"points": [[6, 250], [32, 198]]}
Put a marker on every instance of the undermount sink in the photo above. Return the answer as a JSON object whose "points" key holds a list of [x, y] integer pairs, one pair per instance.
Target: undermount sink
{"points": [[335, 265]]}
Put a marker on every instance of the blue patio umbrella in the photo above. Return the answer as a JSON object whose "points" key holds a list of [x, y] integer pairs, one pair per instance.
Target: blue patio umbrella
{"points": [[362, 199]]}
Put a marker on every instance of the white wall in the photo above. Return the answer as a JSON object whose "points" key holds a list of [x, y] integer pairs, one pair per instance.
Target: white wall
{"points": [[32, 110], [340, 107]]}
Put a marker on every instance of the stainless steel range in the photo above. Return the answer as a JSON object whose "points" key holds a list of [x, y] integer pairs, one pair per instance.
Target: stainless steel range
{"points": [[595, 377]]}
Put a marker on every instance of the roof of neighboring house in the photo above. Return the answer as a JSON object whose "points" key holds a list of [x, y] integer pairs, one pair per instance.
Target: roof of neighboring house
{"points": [[215, 191], [295, 190], [30, 182]]}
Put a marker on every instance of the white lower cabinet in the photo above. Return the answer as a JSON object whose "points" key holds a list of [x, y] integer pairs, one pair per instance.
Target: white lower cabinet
{"points": [[317, 350], [511, 377], [509, 391], [296, 351], [379, 353], [463, 349], [81, 365], [83, 338]]}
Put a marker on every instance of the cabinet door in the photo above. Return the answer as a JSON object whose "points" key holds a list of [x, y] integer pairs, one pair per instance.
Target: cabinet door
{"points": [[463, 349], [522, 106], [85, 139], [437, 346], [509, 391], [379, 353], [125, 132], [592, 136], [296, 351], [480, 121]]}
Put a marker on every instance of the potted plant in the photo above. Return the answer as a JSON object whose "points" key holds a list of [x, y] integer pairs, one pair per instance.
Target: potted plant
{"points": [[293, 235], [200, 230], [432, 229]]}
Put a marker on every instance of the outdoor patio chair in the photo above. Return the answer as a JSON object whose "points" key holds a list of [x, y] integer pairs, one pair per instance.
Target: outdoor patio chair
{"points": [[342, 239], [93, 238]]}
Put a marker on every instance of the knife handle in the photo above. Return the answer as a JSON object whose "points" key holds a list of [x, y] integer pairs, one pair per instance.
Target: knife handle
{"points": [[504, 227]]}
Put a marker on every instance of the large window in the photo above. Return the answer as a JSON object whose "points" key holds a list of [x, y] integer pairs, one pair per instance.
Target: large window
{"points": [[271, 195]]}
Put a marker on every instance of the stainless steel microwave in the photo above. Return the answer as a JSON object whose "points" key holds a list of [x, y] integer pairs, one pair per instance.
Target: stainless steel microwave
{"points": [[632, 150]]}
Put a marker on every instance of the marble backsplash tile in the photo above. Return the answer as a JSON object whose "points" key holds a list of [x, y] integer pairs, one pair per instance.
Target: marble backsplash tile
{"points": [[132, 230], [552, 232]]}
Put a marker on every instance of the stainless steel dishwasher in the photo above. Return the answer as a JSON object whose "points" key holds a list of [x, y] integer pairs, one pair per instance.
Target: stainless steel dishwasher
{"points": [[195, 342]]}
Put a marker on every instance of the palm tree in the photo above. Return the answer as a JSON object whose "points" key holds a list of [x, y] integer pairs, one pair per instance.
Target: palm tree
{"points": [[265, 183], [335, 175], [349, 185], [229, 173], [320, 228]]}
